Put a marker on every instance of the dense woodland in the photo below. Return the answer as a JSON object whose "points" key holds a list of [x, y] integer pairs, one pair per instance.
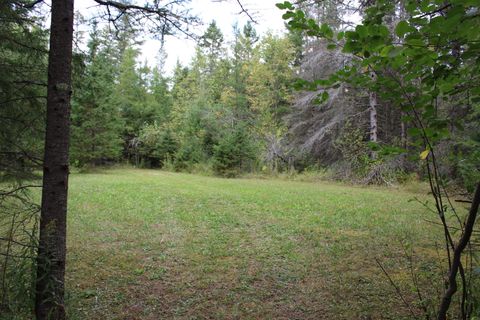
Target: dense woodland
{"points": [[222, 111], [391, 99], [233, 109]]}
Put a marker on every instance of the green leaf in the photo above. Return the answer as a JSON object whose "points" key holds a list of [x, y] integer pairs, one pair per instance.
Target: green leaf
{"points": [[321, 98], [362, 31], [284, 5], [300, 14], [288, 15], [385, 51], [374, 146], [411, 7], [326, 30], [299, 84], [352, 35], [414, 132], [414, 42], [395, 52], [402, 28]]}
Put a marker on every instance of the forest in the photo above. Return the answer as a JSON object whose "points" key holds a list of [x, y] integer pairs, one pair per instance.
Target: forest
{"points": [[328, 171]]}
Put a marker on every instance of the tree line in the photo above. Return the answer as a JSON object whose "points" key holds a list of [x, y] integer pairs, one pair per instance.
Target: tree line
{"points": [[220, 110]]}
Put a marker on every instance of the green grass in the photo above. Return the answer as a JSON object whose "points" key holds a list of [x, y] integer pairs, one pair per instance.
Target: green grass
{"points": [[147, 244]]}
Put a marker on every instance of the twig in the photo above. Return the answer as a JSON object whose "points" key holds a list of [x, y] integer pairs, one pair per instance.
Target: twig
{"points": [[246, 12], [457, 254], [7, 193], [397, 289], [415, 281]]}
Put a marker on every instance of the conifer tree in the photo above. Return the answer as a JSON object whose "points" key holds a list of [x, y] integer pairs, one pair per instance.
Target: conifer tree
{"points": [[23, 66], [161, 96], [96, 122]]}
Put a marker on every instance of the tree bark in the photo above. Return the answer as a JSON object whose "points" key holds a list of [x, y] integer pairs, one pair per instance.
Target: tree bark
{"points": [[49, 299], [373, 119], [373, 115]]}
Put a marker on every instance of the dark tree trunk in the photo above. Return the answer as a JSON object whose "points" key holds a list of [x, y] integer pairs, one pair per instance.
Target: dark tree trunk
{"points": [[49, 299]]}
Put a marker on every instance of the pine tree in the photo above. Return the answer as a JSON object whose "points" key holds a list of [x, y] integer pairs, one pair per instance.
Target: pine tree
{"points": [[158, 144], [51, 256], [23, 56], [211, 43], [242, 49], [268, 85], [234, 152], [161, 95], [133, 100], [96, 122], [23, 82]]}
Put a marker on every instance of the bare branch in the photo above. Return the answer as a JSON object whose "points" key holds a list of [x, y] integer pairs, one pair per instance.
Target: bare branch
{"points": [[457, 255], [243, 10], [246, 12], [161, 17], [123, 7]]}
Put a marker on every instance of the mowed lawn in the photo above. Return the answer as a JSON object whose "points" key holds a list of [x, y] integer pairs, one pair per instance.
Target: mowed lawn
{"points": [[146, 244]]}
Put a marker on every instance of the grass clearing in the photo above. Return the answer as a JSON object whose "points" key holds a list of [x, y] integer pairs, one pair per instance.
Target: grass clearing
{"points": [[146, 244]]}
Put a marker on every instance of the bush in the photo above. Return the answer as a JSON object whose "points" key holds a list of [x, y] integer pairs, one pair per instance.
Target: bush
{"points": [[468, 166], [233, 153], [189, 153], [355, 152], [157, 144]]}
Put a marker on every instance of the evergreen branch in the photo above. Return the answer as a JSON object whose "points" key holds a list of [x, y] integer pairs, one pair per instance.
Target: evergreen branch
{"points": [[31, 4]]}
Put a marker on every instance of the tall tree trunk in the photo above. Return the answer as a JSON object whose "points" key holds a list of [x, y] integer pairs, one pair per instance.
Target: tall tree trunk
{"points": [[373, 121], [373, 118], [49, 299], [373, 115], [403, 132]]}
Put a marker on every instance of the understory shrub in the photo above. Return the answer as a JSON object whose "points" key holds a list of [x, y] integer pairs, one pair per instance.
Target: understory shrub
{"points": [[234, 152], [157, 145]]}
